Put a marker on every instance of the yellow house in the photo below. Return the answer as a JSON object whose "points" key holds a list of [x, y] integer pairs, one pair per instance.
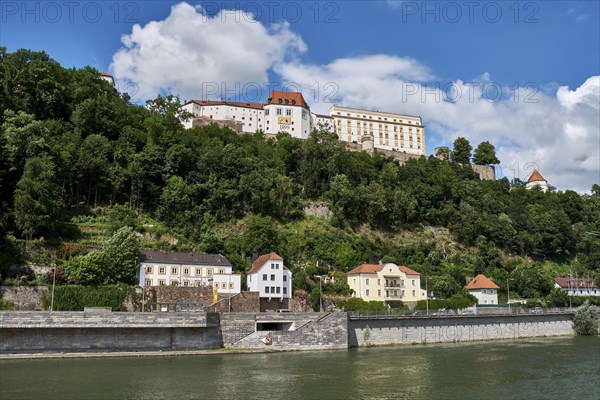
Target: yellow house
{"points": [[389, 283]]}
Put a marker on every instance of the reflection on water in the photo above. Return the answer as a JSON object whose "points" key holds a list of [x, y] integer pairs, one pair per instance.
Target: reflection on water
{"points": [[553, 368]]}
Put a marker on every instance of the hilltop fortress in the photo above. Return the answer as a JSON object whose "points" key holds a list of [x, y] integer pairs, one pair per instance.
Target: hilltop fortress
{"points": [[399, 136]]}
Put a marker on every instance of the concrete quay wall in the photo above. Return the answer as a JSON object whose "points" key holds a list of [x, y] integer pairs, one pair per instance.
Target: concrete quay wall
{"points": [[366, 332], [35, 332], [38, 332], [286, 331]]}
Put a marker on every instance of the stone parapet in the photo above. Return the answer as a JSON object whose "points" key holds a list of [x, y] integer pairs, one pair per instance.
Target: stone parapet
{"points": [[365, 332], [70, 319]]}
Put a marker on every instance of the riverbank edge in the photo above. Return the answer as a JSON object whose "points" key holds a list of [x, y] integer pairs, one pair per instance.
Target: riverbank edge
{"points": [[231, 351]]}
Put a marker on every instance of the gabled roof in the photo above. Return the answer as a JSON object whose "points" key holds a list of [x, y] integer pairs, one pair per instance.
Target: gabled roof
{"points": [[576, 283], [536, 177], [174, 257], [481, 282], [366, 269], [106, 74], [257, 106], [408, 271], [260, 262], [374, 268], [286, 98]]}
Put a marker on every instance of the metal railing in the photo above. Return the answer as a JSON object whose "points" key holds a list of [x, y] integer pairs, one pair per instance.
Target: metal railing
{"points": [[484, 312]]}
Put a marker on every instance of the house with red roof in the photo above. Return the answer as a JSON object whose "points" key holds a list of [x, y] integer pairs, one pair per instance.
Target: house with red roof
{"points": [[483, 289], [390, 283], [270, 277], [577, 286], [536, 180], [107, 77]]}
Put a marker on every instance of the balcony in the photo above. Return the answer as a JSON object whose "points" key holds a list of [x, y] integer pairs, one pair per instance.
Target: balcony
{"points": [[393, 285]]}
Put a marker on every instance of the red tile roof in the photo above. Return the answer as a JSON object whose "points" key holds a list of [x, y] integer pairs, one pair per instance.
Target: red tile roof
{"points": [[481, 282], [408, 271], [374, 268], [536, 177], [576, 283], [106, 74], [366, 269], [286, 98], [260, 262]]}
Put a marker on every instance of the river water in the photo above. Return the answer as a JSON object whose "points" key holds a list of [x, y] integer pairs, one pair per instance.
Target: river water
{"points": [[546, 368]]}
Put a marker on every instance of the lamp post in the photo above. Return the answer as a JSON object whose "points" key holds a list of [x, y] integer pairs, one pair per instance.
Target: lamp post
{"points": [[229, 291], [320, 293], [508, 296], [426, 296], [53, 284]]}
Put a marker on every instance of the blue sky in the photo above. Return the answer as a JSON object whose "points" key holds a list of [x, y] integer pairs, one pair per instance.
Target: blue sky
{"points": [[542, 57]]}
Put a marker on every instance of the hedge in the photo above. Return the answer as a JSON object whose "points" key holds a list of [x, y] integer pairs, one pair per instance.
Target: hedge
{"points": [[76, 297]]}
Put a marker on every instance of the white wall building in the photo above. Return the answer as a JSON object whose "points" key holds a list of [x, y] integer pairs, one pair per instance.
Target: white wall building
{"points": [[575, 286], [249, 115], [283, 112], [107, 77], [288, 112], [536, 180], [270, 277], [389, 131], [484, 290], [167, 268]]}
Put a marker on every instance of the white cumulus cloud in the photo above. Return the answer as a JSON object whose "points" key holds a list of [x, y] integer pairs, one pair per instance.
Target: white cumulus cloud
{"points": [[556, 131], [188, 52]]}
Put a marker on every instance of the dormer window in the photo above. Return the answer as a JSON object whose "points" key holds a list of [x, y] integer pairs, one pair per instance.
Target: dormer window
{"points": [[279, 101], [294, 102]]}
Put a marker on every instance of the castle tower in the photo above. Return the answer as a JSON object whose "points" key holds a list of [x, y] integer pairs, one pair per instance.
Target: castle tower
{"points": [[536, 179], [367, 144]]}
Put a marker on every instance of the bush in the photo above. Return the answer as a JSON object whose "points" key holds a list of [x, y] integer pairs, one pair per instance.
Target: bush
{"points": [[586, 320], [6, 305], [358, 304], [75, 298]]}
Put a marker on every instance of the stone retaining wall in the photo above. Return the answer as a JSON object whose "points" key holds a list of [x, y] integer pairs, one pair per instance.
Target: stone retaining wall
{"points": [[25, 297], [455, 329]]}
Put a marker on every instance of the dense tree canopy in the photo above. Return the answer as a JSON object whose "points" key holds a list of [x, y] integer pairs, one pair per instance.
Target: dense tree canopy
{"points": [[70, 142]]}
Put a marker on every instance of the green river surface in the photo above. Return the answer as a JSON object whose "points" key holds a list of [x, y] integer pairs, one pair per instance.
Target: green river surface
{"points": [[544, 368]]}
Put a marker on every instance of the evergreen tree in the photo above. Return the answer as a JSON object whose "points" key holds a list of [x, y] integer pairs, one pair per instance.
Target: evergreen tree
{"points": [[461, 153], [485, 154]]}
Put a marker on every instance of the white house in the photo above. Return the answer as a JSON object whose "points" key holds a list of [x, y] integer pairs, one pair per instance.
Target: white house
{"points": [[536, 180], [107, 77], [270, 277], [575, 286], [483, 289], [168, 268]]}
